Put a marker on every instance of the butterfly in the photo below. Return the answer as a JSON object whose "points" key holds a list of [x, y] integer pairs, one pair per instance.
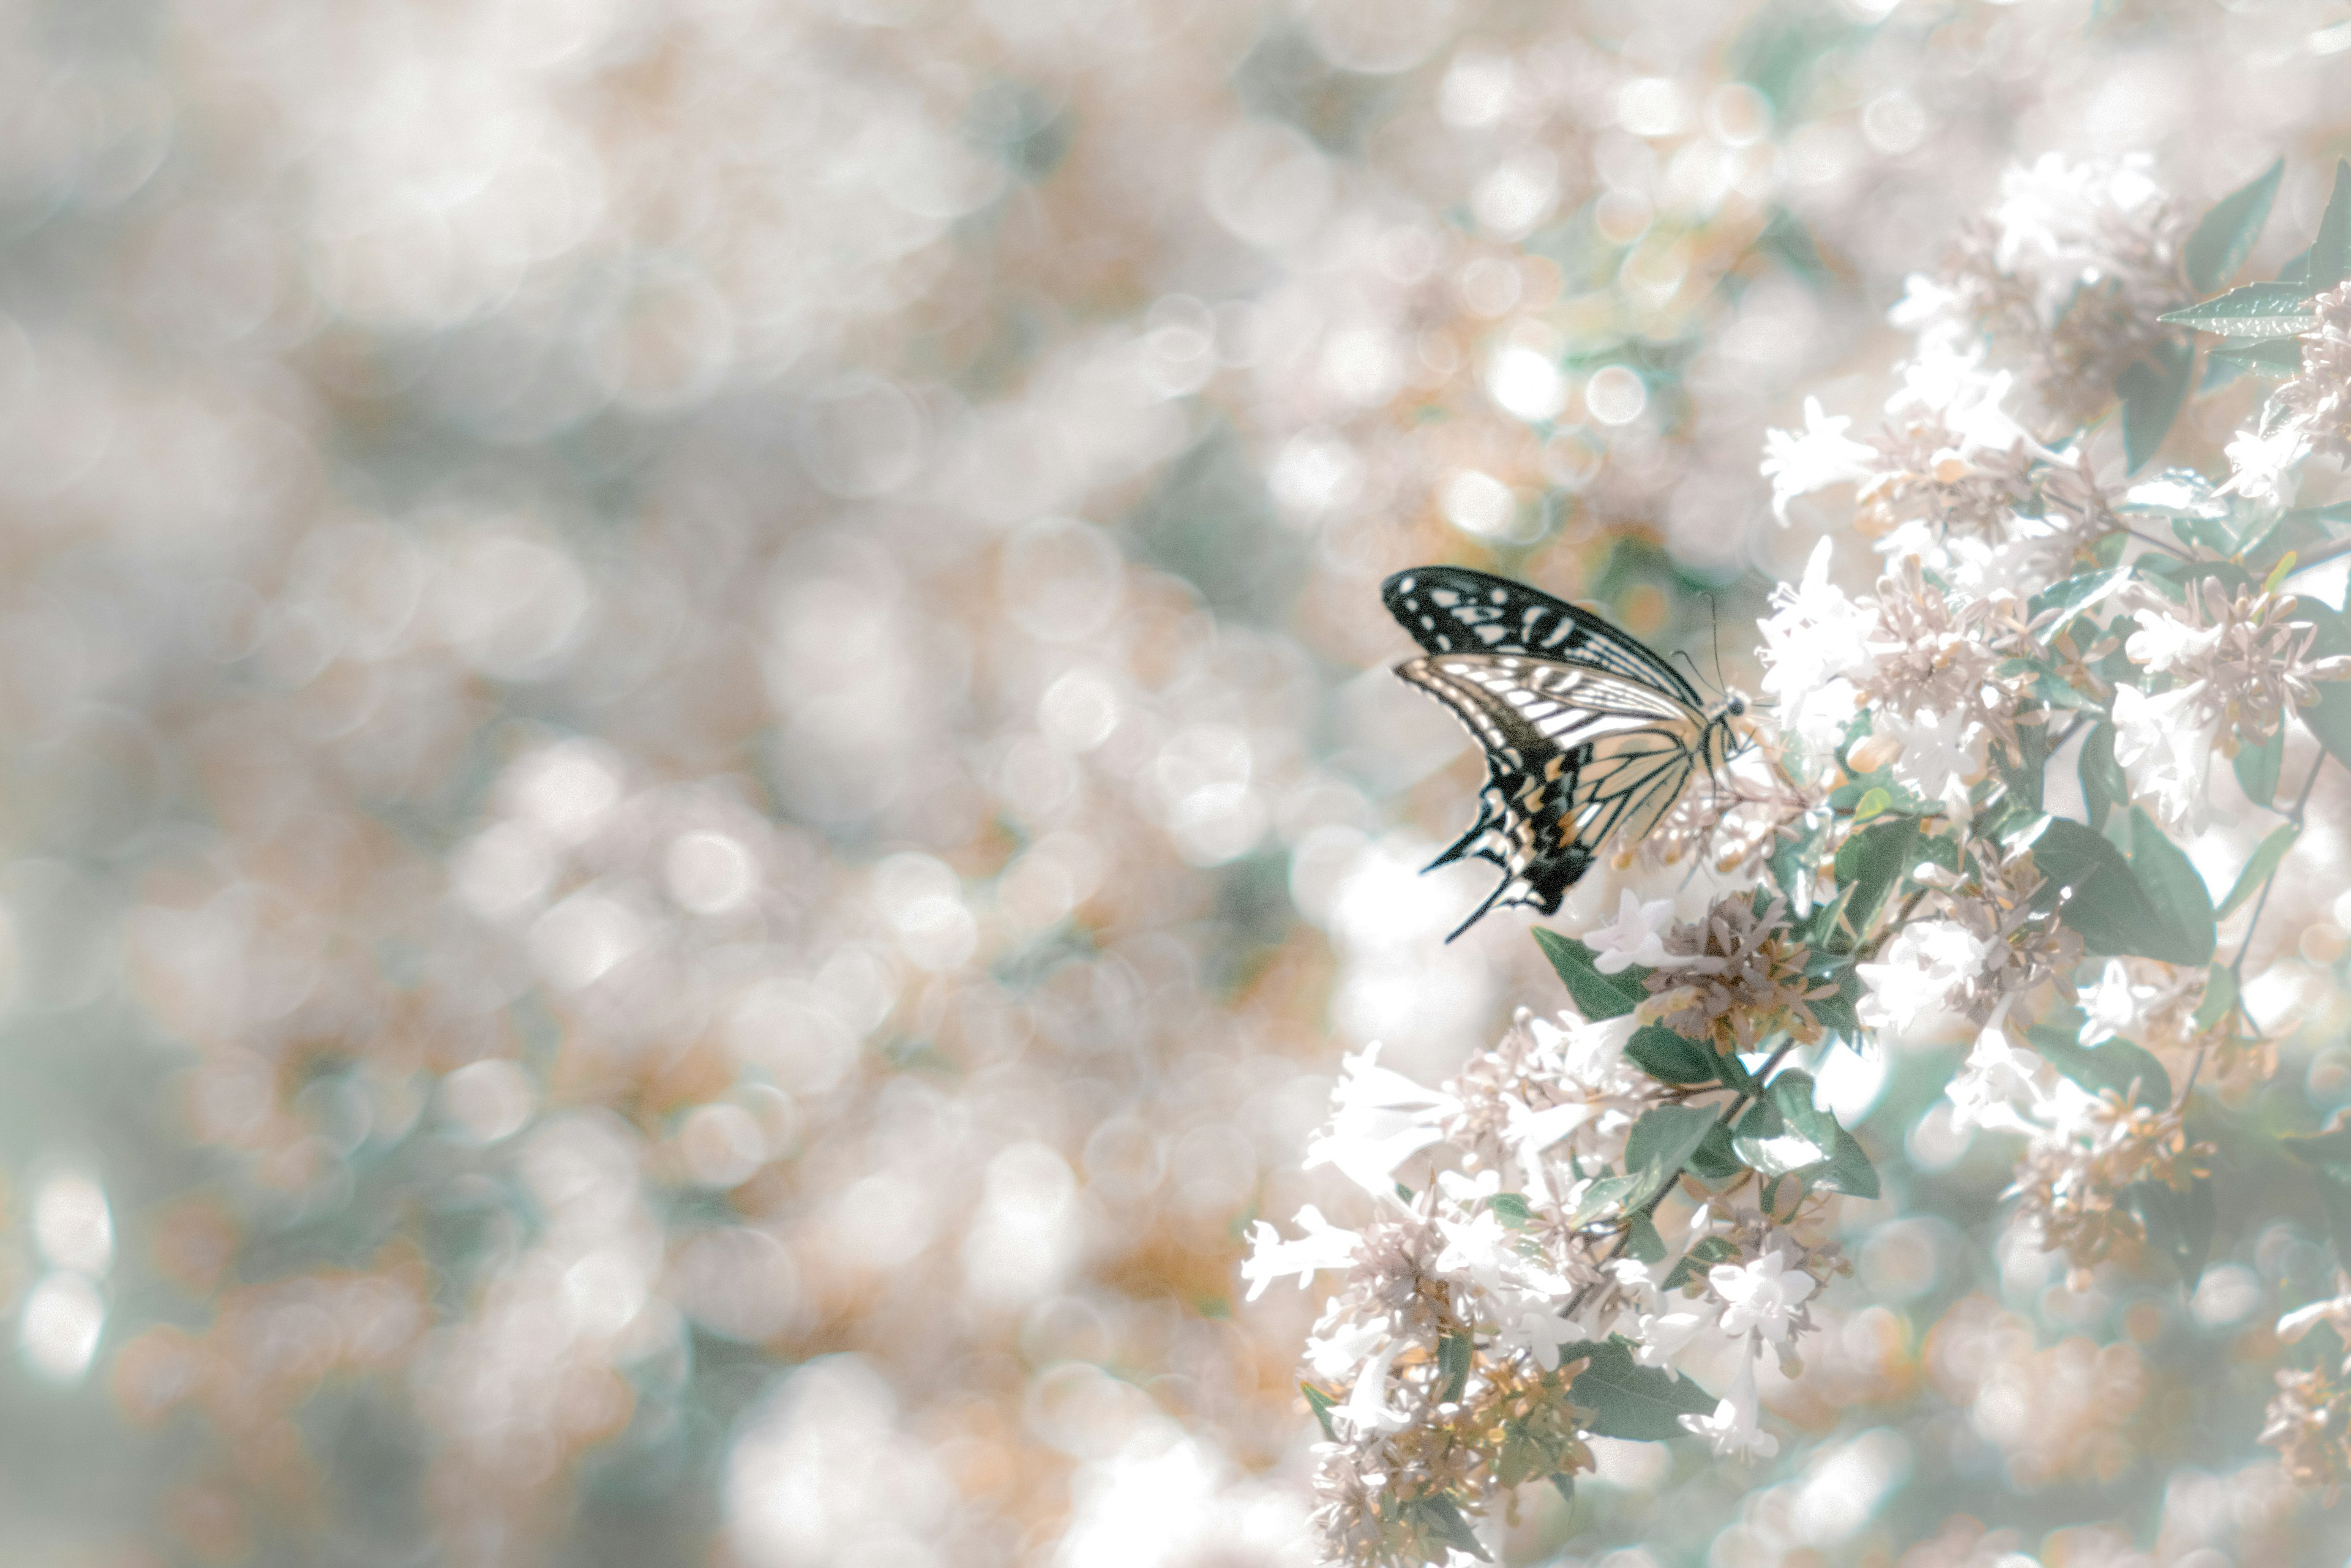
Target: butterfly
{"points": [[1586, 732]]}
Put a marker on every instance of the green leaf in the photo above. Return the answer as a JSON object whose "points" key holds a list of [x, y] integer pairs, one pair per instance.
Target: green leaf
{"points": [[1839, 1011], [2274, 359], [1564, 1484], [1847, 1171], [2256, 310], [2103, 784], [1783, 1132], [1597, 996], [1513, 1209], [1602, 1195], [2114, 1064], [1629, 1400], [1456, 1353], [2103, 898], [2179, 1224], [2081, 589], [2219, 996], [2217, 247], [2329, 717], [1642, 1241], [2257, 770], [1870, 863], [1660, 1144], [1714, 1159], [2152, 391], [1671, 1057], [1441, 1516], [2330, 253], [1321, 1404], [2258, 870], [2176, 888], [2327, 1157], [1874, 800]]}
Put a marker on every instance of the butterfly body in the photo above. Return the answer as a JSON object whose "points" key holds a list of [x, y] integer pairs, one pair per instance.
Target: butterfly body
{"points": [[1587, 733]]}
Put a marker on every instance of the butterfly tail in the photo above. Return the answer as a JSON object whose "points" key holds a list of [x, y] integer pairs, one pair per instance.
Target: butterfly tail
{"points": [[1479, 914]]}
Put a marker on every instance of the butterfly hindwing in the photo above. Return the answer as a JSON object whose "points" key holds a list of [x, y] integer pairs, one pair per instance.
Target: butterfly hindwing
{"points": [[1453, 610]]}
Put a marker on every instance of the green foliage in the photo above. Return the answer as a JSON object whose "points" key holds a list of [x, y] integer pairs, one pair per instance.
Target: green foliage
{"points": [[2224, 237], [1597, 996], [2178, 1222], [1703, 1254], [1455, 1354], [2219, 996], [2265, 861], [1660, 1144], [2104, 785], [2329, 717], [2327, 1157], [1783, 1132], [1846, 1171], [1438, 1516], [2255, 310], [1641, 1242], [2257, 772], [1671, 1057], [2330, 253], [2272, 359], [1512, 1208], [2177, 890], [1868, 866], [2114, 1065], [1627, 1399], [2152, 391], [2101, 894], [1321, 1405]]}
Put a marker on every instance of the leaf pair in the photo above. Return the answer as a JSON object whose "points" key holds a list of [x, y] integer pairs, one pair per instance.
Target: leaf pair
{"points": [[2151, 904]]}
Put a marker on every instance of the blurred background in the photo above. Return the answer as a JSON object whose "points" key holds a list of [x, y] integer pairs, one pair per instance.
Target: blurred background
{"points": [[698, 778]]}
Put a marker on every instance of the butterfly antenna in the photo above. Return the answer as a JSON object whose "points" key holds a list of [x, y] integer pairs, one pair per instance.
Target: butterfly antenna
{"points": [[1696, 674], [1713, 615]]}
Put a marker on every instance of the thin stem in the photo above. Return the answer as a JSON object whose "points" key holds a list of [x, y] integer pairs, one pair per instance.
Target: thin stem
{"points": [[2262, 900], [2170, 551]]}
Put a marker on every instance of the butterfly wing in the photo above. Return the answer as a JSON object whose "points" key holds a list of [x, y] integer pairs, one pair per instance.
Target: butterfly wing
{"points": [[1574, 755], [1452, 610]]}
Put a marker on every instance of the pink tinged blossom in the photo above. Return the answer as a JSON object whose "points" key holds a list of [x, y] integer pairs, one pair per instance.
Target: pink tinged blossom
{"points": [[1366, 1412], [1763, 1295], [1637, 934], [1821, 455], [2165, 744], [1734, 1431], [1379, 1119], [1325, 1246]]}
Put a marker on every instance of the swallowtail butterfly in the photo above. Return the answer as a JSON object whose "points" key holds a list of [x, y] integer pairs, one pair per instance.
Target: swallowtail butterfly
{"points": [[1586, 732]]}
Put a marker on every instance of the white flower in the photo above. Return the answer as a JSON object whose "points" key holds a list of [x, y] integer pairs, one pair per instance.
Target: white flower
{"points": [[1732, 1430], [1665, 1336], [1984, 1092], [1637, 934], [1367, 1410], [2165, 643], [2054, 218], [1531, 1324], [2258, 463], [2165, 744], [1325, 1246], [1815, 645], [1590, 1057], [1763, 1295], [1822, 455], [1379, 1119], [1950, 384], [2115, 1006], [1936, 752], [1334, 1355], [1911, 986]]}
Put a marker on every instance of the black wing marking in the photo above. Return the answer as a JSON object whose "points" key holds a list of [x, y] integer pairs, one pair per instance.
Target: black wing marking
{"points": [[1453, 610], [1574, 755]]}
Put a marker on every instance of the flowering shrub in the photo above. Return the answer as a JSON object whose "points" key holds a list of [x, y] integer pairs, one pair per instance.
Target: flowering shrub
{"points": [[1966, 817]]}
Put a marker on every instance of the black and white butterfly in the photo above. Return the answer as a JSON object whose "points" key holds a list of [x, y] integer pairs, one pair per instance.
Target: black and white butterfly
{"points": [[1586, 732]]}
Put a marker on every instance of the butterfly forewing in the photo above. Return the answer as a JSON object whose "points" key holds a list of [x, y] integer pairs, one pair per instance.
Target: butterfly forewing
{"points": [[1452, 610]]}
